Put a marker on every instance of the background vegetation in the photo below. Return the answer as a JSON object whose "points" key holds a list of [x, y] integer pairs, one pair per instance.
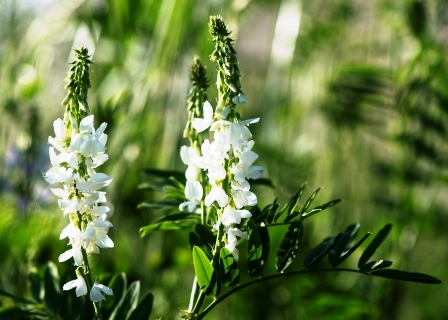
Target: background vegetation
{"points": [[352, 96]]}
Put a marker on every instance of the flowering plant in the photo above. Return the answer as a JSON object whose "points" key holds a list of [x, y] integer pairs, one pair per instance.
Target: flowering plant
{"points": [[213, 200]]}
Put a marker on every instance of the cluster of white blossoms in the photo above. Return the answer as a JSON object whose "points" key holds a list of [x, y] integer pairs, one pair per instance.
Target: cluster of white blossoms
{"points": [[228, 161], [75, 153]]}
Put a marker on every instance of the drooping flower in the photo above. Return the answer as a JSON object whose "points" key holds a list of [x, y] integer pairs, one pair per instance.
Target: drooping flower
{"points": [[79, 283], [95, 292]]}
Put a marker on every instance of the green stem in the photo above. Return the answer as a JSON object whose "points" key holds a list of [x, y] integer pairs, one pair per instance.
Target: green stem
{"points": [[274, 276]]}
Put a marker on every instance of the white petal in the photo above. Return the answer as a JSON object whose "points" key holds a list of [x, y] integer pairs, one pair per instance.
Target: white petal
{"points": [[86, 125], [66, 255], [70, 285]]}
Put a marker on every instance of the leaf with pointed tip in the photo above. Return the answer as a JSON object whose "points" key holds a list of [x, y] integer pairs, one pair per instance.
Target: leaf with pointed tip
{"points": [[376, 265], [292, 203], [406, 276], [144, 308], [168, 226], [320, 251], [290, 246], [119, 285], [320, 208], [376, 242], [230, 274], [254, 250], [163, 204], [129, 303], [257, 214], [53, 294], [309, 201], [203, 269], [344, 244], [272, 212], [351, 250]]}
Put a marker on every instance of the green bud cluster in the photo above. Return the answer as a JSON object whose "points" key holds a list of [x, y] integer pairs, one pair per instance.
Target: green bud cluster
{"points": [[224, 55], [196, 97], [78, 84]]}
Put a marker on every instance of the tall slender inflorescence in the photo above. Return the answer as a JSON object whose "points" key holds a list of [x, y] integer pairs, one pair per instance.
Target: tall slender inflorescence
{"points": [[76, 151], [228, 158]]}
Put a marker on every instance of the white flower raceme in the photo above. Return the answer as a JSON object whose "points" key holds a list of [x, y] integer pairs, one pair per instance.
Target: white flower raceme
{"points": [[228, 157], [75, 154]]}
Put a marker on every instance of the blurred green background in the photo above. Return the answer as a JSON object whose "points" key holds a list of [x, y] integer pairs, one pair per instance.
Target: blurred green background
{"points": [[352, 96]]}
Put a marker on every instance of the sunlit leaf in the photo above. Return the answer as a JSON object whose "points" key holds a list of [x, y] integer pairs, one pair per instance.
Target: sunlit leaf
{"points": [[320, 251], [163, 204], [203, 269], [375, 265], [230, 274], [289, 247], [292, 203], [168, 226], [376, 242]]}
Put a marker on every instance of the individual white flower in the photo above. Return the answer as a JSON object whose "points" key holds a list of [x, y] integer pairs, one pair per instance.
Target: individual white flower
{"points": [[239, 99], [60, 139], [74, 252], [95, 292], [216, 194], [201, 124], [193, 193], [95, 182], [232, 241], [234, 216], [79, 283]]}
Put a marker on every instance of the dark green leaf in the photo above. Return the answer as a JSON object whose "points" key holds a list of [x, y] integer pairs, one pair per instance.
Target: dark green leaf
{"points": [[36, 286], [128, 304], [317, 253], [194, 240], [376, 242], [309, 201], [262, 182], [16, 312], [144, 308], [53, 294], [320, 208], [266, 244], [119, 285], [254, 250], [178, 175], [203, 269], [348, 237], [405, 276], [292, 203], [230, 274], [257, 215], [290, 246], [205, 234], [271, 213], [352, 249]]}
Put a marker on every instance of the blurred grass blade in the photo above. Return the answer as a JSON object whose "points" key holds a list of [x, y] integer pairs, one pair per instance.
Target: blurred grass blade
{"points": [[36, 286], [119, 285], [376, 242], [129, 303], [320, 208], [144, 308], [53, 294]]}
